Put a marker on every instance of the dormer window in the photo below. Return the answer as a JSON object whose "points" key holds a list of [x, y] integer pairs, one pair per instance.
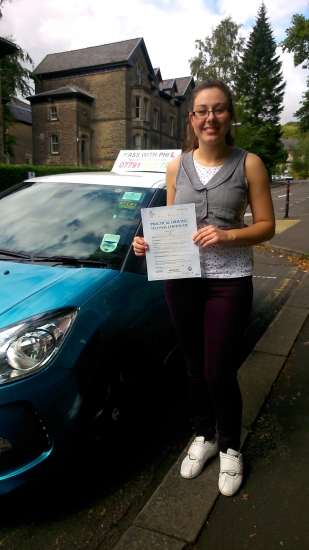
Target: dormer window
{"points": [[53, 113]]}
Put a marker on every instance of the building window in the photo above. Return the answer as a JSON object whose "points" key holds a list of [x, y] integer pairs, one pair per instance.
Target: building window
{"points": [[155, 119], [146, 141], [139, 74], [28, 159], [137, 141], [54, 145], [137, 107], [171, 126], [53, 113], [146, 109]]}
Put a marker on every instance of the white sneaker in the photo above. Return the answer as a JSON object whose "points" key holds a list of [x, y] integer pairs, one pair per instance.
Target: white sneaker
{"points": [[199, 451], [231, 472]]}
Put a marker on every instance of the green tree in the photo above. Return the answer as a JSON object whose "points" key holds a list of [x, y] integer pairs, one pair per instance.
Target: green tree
{"points": [[297, 41], [259, 93], [219, 53], [300, 162], [15, 81], [290, 130], [15, 77], [303, 112]]}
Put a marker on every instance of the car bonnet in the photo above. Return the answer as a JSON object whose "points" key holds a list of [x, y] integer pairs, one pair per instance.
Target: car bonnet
{"points": [[28, 289]]}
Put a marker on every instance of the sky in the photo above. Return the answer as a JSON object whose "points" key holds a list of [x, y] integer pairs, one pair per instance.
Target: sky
{"points": [[169, 29]]}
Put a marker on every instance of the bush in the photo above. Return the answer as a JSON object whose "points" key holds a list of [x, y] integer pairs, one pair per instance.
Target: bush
{"points": [[12, 174]]}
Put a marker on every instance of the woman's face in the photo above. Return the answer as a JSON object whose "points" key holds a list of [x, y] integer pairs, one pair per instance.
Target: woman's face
{"points": [[211, 127]]}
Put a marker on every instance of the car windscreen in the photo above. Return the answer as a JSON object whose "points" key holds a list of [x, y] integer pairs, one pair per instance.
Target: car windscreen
{"points": [[84, 221]]}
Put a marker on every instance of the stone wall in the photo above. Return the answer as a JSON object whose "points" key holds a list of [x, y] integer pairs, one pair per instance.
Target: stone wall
{"points": [[23, 147]]}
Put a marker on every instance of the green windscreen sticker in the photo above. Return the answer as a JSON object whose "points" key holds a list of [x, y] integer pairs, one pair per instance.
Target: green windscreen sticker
{"points": [[109, 242]]}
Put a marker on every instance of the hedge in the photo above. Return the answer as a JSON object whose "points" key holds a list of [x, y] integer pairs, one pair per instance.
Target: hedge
{"points": [[12, 174]]}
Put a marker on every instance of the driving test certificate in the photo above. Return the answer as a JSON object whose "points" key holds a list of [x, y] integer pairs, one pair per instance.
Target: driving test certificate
{"points": [[168, 230]]}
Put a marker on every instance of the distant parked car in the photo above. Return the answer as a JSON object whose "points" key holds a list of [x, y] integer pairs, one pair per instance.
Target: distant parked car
{"points": [[277, 177], [287, 177]]}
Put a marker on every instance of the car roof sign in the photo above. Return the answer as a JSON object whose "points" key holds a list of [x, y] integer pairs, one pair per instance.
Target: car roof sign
{"points": [[144, 161]]}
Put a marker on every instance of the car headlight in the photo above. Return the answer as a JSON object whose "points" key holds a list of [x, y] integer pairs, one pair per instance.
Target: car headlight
{"points": [[29, 346]]}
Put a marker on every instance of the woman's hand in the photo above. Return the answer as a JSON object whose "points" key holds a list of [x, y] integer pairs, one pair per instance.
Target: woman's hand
{"points": [[139, 246], [211, 235]]}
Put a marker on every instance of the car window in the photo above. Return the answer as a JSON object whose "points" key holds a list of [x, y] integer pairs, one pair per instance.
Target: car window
{"points": [[80, 220]]}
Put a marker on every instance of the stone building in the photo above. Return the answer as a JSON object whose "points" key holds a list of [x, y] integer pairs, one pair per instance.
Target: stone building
{"points": [[91, 103], [21, 130], [6, 48]]}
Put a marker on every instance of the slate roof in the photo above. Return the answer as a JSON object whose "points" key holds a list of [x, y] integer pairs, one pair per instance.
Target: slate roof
{"points": [[183, 84], [180, 85], [64, 90], [95, 56], [168, 84], [21, 111], [7, 47]]}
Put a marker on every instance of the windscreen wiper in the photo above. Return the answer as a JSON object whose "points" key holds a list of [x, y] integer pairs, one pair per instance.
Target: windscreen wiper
{"points": [[12, 254], [70, 260]]}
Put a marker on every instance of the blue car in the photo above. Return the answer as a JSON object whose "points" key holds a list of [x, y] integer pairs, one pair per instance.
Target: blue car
{"points": [[81, 328]]}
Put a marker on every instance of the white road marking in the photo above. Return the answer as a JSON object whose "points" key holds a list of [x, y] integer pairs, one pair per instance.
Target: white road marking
{"points": [[263, 277]]}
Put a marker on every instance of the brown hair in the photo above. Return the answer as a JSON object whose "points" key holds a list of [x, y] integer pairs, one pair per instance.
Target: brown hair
{"points": [[211, 83]]}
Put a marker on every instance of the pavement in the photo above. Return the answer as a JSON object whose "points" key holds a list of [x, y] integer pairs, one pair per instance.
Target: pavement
{"points": [[270, 510]]}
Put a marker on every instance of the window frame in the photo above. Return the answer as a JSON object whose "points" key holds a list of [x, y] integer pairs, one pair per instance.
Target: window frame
{"points": [[54, 144], [137, 106], [138, 146], [155, 119], [146, 108], [53, 113], [139, 74]]}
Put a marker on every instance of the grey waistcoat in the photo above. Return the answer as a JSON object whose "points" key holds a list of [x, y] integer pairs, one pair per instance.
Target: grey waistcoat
{"points": [[223, 200]]}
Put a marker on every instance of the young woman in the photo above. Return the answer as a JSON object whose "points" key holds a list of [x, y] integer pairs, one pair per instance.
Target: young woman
{"points": [[210, 313]]}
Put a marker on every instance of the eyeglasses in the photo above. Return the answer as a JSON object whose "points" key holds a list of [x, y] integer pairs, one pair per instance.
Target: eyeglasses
{"points": [[204, 113]]}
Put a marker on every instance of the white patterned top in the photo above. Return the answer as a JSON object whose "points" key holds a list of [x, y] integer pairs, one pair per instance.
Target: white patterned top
{"points": [[217, 261]]}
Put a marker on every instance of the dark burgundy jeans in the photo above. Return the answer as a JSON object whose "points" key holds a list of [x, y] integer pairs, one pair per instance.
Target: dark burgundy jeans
{"points": [[210, 317]]}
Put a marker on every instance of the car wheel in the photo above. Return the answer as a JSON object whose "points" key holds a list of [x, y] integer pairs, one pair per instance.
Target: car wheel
{"points": [[110, 408]]}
